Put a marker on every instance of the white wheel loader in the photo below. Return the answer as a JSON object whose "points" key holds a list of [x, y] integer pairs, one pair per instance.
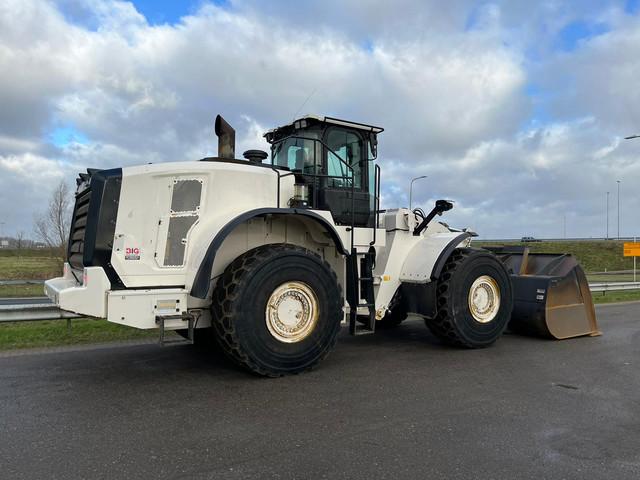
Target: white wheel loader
{"points": [[270, 257]]}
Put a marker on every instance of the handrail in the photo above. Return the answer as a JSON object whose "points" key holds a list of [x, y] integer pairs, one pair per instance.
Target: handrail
{"points": [[278, 187], [376, 202]]}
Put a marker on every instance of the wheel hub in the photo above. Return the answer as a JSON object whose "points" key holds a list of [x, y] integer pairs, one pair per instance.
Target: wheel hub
{"points": [[292, 312], [484, 299]]}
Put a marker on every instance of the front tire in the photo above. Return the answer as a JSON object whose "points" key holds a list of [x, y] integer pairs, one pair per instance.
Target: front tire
{"points": [[277, 310], [474, 299]]}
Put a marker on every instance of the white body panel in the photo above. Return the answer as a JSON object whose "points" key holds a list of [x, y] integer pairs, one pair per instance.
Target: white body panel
{"points": [[401, 248], [139, 308], [420, 261], [87, 297], [228, 190]]}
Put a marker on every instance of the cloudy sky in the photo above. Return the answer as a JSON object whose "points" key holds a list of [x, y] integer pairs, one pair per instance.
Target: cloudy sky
{"points": [[514, 109]]}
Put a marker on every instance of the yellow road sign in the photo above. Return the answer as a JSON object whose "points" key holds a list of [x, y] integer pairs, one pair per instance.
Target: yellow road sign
{"points": [[632, 249]]}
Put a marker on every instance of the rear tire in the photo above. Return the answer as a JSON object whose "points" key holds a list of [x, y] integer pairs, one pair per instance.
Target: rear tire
{"points": [[277, 310], [474, 299]]}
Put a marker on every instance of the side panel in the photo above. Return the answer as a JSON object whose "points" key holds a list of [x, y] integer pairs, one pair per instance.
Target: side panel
{"points": [[139, 308], [425, 260], [389, 259], [400, 253], [168, 214]]}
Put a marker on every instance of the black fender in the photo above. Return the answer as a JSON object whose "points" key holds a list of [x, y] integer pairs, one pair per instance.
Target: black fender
{"points": [[200, 286]]}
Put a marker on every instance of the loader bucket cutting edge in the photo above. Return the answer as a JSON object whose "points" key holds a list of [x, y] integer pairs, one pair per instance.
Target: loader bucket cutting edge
{"points": [[551, 294]]}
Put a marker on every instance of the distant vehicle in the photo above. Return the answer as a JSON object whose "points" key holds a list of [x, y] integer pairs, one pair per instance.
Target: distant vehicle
{"points": [[530, 239]]}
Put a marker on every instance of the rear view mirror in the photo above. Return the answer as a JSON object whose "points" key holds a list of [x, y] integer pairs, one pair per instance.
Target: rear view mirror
{"points": [[373, 144]]}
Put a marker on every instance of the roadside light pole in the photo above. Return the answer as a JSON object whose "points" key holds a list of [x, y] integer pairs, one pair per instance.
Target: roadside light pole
{"points": [[411, 189], [607, 216], [630, 137], [618, 182]]}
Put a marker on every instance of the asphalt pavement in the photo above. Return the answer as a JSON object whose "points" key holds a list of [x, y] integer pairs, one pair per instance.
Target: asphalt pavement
{"points": [[396, 404]]}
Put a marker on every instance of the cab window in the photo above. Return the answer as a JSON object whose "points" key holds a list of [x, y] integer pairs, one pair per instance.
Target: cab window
{"points": [[349, 147], [296, 154]]}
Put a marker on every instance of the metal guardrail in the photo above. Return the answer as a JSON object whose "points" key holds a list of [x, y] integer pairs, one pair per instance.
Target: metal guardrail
{"points": [[33, 311], [40, 308], [613, 286]]}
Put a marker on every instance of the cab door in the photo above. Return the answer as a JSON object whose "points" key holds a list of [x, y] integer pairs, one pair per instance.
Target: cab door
{"points": [[345, 178]]}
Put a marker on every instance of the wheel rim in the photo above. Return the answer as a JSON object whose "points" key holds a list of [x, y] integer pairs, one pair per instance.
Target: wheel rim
{"points": [[484, 299], [292, 312]]}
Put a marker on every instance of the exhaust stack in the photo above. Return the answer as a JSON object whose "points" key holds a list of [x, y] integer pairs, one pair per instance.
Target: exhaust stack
{"points": [[226, 138]]}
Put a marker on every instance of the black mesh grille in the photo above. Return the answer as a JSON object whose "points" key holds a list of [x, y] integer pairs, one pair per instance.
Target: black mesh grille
{"points": [[78, 229]]}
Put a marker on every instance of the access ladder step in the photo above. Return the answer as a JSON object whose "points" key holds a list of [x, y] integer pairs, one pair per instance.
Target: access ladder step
{"points": [[161, 319], [356, 327]]}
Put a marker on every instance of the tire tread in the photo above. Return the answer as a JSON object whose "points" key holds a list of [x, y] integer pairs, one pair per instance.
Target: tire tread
{"points": [[442, 325], [226, 296]]}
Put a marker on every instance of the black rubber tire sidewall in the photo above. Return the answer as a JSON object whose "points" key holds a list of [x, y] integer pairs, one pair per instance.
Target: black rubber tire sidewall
{"points": [[250, 328], [470, 330]]}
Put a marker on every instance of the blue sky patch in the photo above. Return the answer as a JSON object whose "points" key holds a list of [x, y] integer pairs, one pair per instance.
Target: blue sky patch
{"points": [[473, 18], [171, 11], [155, 12], [63, 136], [367, 45], [632, 6], [540, 102], [573, 33], [159, 12]]}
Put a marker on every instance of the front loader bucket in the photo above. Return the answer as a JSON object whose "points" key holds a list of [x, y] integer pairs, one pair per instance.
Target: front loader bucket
{"points": [[551, 294]]}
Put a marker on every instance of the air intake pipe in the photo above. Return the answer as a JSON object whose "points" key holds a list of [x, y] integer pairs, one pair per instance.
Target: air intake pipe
{"points": [[226, 138]]}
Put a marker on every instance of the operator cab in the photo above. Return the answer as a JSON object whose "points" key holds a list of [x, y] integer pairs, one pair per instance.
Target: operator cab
{"points": [[333, 160]]}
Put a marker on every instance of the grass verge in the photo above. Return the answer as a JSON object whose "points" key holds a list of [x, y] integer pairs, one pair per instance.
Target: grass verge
{"points": [[593, 255], [49, 333], [8, 291], [29, 267], [613, 297]]}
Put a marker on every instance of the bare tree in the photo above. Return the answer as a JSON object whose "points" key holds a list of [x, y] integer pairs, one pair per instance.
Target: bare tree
{"points": [[52, 226], [20, 240]]}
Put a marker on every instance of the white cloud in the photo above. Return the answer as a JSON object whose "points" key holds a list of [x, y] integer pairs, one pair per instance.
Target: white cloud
{"points": [[449, 86], [25, 182]]}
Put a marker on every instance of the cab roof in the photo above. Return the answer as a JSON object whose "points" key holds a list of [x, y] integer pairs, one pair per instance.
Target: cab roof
{"points": [[302, 122]]}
